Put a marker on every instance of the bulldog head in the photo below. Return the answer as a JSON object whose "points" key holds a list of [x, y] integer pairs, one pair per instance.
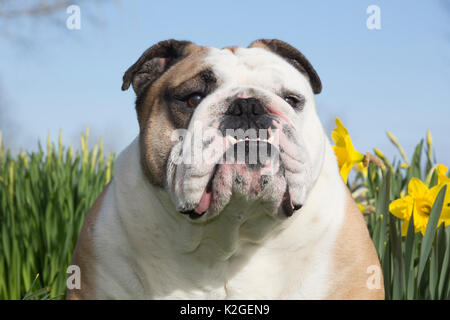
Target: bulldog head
{"points": [[216, 124]]}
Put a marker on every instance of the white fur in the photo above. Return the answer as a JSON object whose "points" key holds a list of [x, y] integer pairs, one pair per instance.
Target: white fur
{"points": [[147, 249], [264, 74]]}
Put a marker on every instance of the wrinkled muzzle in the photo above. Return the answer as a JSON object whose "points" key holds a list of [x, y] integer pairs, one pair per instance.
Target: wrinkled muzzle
{"points": [[250, 151]]}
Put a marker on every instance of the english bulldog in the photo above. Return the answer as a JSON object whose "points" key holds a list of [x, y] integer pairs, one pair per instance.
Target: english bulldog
{"points": [[231, 190]]}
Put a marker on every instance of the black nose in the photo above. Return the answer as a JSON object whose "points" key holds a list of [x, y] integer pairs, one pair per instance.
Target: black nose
{"points": [[245, 114], [249, 107]]}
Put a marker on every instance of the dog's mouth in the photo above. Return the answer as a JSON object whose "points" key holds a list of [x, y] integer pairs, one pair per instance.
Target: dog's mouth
{"points": [[205, 201], [248, 167]]}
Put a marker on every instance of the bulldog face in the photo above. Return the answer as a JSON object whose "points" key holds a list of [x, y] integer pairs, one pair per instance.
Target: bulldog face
{"points": [[219, 124]]}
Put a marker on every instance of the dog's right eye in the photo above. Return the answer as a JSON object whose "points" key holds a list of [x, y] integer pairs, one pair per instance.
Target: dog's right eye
{"points": [[194, 99], [297, 102]]}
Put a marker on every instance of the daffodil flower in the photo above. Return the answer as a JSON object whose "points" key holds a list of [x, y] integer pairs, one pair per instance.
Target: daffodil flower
{"points": [[361, 207], [443, 180], [418, 202], [363, 169], [442, 174], [346, 154]]}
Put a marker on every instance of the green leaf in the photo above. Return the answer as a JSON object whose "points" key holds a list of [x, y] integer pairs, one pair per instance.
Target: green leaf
{"points": [[409, 259], [386, 266], [433, 273], [384, 195], [398, 277], [444, 277], [434, 179], [37, 293], [414, 169], [27, 294], [382, 214]]}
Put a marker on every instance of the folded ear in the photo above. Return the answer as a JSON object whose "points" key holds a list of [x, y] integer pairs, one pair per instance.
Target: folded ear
{"points": [[294, 57], [153, 63]]}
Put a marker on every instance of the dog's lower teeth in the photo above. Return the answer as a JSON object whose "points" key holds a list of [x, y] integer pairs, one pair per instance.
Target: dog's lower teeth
{"points": [[232, 140]]}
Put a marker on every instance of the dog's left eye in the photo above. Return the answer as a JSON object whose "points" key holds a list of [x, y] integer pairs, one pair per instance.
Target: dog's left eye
{"points": [[294, 101], [194, 100]]}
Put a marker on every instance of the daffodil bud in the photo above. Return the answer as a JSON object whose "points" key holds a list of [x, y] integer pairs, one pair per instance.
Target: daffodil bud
{"points": [[70, 152], [397, 144], [379, 153], [429, 138], [383, 158]]}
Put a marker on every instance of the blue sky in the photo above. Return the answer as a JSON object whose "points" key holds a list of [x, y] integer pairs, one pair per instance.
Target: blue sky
{"points": [[395, 79]]}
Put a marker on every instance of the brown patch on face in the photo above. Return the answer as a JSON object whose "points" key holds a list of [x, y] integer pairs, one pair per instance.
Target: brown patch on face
{"points": [[155, 77], [232, 48], [158, 116], [353, 254], [200, 85]]}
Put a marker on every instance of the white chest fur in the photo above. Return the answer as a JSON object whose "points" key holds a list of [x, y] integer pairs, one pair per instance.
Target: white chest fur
{"points": [[147, 250]]}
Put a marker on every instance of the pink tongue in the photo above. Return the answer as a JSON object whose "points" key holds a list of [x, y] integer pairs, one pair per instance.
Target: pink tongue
{"points": [[205, 201]]}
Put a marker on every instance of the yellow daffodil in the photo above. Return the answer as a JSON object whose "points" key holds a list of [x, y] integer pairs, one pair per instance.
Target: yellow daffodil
{"points": [[419, 201], [442, 174], [443, 179], [363, 169], [346, 154], [361, 207]]}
